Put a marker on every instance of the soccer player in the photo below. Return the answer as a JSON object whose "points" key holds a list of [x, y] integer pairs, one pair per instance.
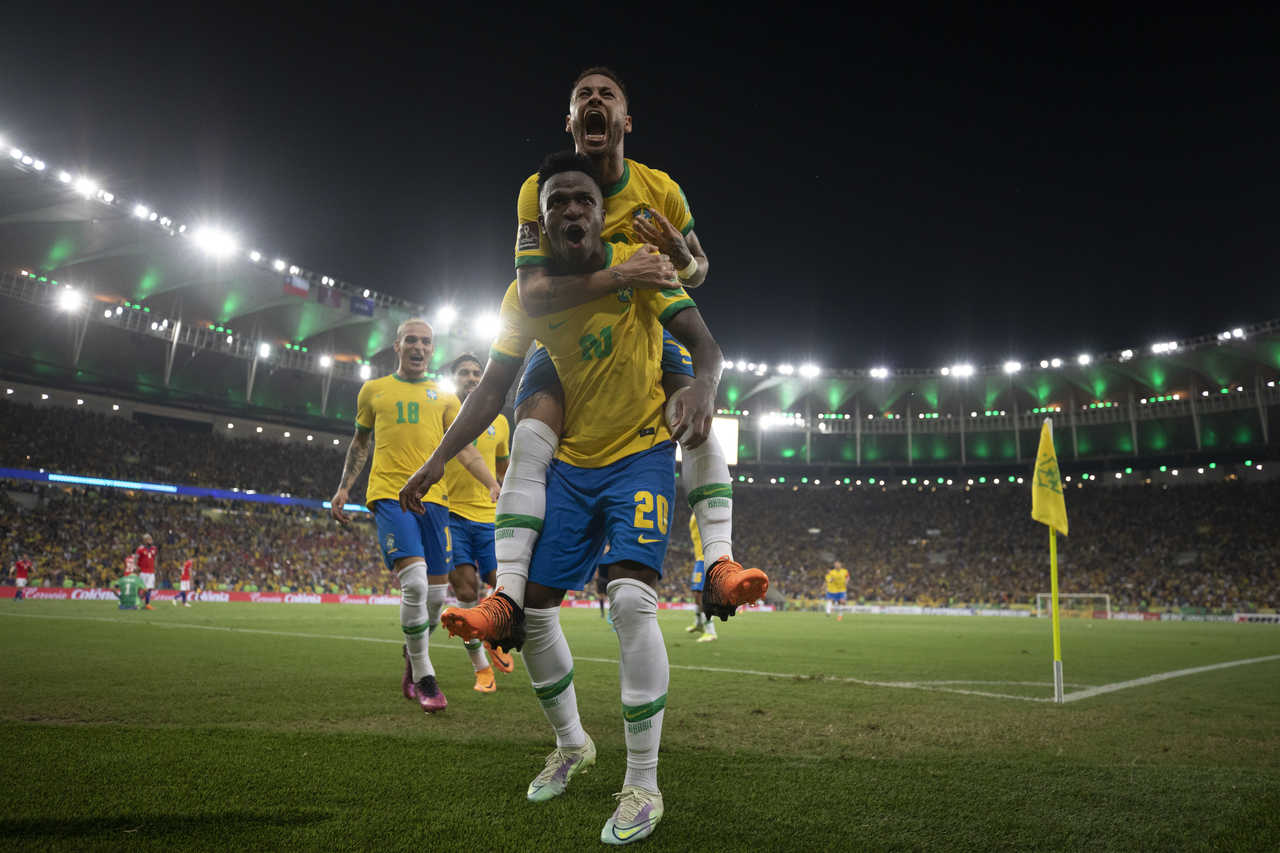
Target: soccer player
{"points": [[640, 206], [21, 575], [613, 480], [184, 585], [129, 584], [146, 555], [701, 624], [471, 511], [837, 581], [403, 416]]}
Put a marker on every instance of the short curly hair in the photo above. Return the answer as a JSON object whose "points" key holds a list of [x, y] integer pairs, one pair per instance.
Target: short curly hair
{"points": [[567, 161], [603, 71]]}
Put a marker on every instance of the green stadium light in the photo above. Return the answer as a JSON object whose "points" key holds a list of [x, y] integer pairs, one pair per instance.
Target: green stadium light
{"points": [[782, 479], [913, 481], [1164, 468], [804, 479], [1128, 470], [1213, 464], [982, 479], [871, 481], [1248, 462]]}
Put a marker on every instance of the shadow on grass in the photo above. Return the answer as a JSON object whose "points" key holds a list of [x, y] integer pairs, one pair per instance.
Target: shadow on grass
{"points": [[154, 825]]}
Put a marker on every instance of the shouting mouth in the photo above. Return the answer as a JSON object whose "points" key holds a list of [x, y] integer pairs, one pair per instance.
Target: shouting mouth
{"points": [[595, 127], [574, 235]]}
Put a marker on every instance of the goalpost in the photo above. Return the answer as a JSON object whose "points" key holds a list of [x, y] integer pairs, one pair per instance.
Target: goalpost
{"points": [[1044, 601]]}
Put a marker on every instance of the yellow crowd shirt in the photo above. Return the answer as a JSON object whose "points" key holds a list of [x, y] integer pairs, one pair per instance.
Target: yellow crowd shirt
{"points": [[837, 580], [468, 497], [640, 187], [408, 419], [696, 537], [607, 354]]}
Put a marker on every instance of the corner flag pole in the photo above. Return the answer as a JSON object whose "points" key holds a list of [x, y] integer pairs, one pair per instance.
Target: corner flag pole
{"points": [[1049, 508]]}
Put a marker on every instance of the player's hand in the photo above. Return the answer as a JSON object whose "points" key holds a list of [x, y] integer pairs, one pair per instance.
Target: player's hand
{"points": [[419, 484], [693, 409], [653, 227], [647, 268], [494, 492], [336, 504]]}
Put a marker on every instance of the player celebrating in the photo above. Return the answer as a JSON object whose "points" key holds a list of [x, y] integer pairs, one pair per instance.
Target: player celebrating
{"points": [[640, 206], [21, 575], [146, 558], [471, 511], [406, 413], [184, 585], [837, 581], [613, 480], [701, 624]]}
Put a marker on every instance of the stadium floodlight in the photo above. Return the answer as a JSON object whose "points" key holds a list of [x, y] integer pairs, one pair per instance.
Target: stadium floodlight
{"points": [[38, 165], [44, 396], [15, 153], [86, 187], [310, 437], [1237, 333], [141, 211], [287, 434], [230, 425], [486, 326], [294, 270], [1044, 362], [1126, 354], [115, 407], [1083, 358], [445, 316], [946, 371], [742, 365], [762, 369], [809, 370], [214, 241], [106, 197], [326, 361], [155, 327], [879, 373], [366, 293], [786, 369], [964, 371], [335, 441], [79, 401], [264, 350], [1055, 362], [26, 160], [64, 177], [107, 313], [70, 300], [447, 385], [255, 256], [365, 371], [1012, 367], [259, 429], [278, 265]]}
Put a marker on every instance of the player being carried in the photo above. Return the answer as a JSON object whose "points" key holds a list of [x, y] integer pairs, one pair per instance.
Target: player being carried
{"points": [[471, 511], [701, 624], [837, 582], [640, 206], [403, 415], [146, 557], [613, 479]]}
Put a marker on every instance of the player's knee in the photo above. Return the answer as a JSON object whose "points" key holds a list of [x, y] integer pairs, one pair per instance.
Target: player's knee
{"points": [[631, 601], [413, 584]]}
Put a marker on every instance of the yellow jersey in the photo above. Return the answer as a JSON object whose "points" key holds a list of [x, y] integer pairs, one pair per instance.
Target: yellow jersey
{"points": [[408, 419], [837, 580], [696, 537], [639, 187], [468, 497], [607, 354]]}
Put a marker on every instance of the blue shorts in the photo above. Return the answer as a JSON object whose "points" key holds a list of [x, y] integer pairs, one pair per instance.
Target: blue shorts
{"points": [[835, 596], [472, 544], [696, 583], [403, 534], [540, 373], [626, 504]]}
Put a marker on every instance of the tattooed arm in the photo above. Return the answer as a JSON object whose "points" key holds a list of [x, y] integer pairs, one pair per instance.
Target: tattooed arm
{"points": [[357, 455]]}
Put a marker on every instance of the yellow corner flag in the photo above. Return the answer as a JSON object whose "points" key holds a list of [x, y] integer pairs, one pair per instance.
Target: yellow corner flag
{"points": [[1049, 507], [1047, 504]]}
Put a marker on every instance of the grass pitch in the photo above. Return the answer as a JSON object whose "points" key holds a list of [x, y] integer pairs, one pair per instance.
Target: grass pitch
{"points": [[281, 726]]}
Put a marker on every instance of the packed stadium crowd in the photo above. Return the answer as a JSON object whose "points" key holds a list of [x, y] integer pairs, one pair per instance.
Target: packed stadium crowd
{"points": [[1205, 545]]}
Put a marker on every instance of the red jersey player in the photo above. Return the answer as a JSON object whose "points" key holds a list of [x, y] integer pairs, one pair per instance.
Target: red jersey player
{"points": [[146, 556], [184, 585], [21, 573]]}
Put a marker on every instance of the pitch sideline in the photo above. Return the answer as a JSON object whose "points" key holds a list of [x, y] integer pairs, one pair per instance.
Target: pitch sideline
{"points": [[935, 686]]}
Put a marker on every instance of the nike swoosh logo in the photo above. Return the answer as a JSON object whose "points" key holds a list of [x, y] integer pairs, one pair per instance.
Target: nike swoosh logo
{"points": [[644, 541], [624, 834]]}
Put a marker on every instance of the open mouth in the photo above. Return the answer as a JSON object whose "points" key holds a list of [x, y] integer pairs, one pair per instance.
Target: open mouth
{"points": [[595, 126], [574, 235]]}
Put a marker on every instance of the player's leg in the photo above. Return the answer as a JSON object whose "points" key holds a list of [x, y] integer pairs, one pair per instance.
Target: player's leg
{"points": [[465, 581], [486, 562], [401, 544], [433, 531], [637, 503], [564, 558], [695, 584]]}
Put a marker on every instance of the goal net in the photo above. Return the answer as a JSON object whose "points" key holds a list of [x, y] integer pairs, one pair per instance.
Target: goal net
{"points": [[1074, 603]]}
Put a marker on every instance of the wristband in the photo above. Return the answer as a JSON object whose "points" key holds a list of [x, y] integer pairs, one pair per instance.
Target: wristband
{"points": [[689, 271]]}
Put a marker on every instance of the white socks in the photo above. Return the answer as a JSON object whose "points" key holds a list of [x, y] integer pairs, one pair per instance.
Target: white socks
{"points": [[550, 664], [710, 494], [475, 648], [522, 506], [413, 617], [435, 602], [645, 675]]}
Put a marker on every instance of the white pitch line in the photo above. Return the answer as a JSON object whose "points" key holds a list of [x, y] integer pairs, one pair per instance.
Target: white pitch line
{"points": [[934, 686], [1161, 676]]}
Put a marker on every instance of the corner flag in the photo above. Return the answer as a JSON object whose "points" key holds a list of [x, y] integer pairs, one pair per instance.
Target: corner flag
{"points": [[1049, 507], [1047, 504]]}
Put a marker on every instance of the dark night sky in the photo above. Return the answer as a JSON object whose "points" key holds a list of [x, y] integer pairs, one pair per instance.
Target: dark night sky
{"points": [[868, 190]]}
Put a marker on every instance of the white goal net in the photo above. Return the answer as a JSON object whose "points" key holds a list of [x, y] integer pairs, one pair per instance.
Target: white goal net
{"points": [[1075, 603]]}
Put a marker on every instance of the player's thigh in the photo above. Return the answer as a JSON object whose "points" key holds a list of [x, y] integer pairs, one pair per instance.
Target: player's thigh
{"points": [[540, 395], [634, 571], [399, 538], [568, 549], [465, 581], [433, 531], [637, 505]]}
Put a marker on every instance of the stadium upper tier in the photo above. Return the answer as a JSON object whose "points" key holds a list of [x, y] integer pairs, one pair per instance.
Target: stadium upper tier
{"points": [[101, 292]]}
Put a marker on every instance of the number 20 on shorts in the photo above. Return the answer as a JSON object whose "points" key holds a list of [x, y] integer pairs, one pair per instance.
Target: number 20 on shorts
{"points": [[645, 506]]}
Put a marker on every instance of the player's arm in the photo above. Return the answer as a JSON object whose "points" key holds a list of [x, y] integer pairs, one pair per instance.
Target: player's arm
{"points": [[474, 463], [357, 456], [501, 465], [695, 407], [542, 293], [481, 407], [685, 250]]}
